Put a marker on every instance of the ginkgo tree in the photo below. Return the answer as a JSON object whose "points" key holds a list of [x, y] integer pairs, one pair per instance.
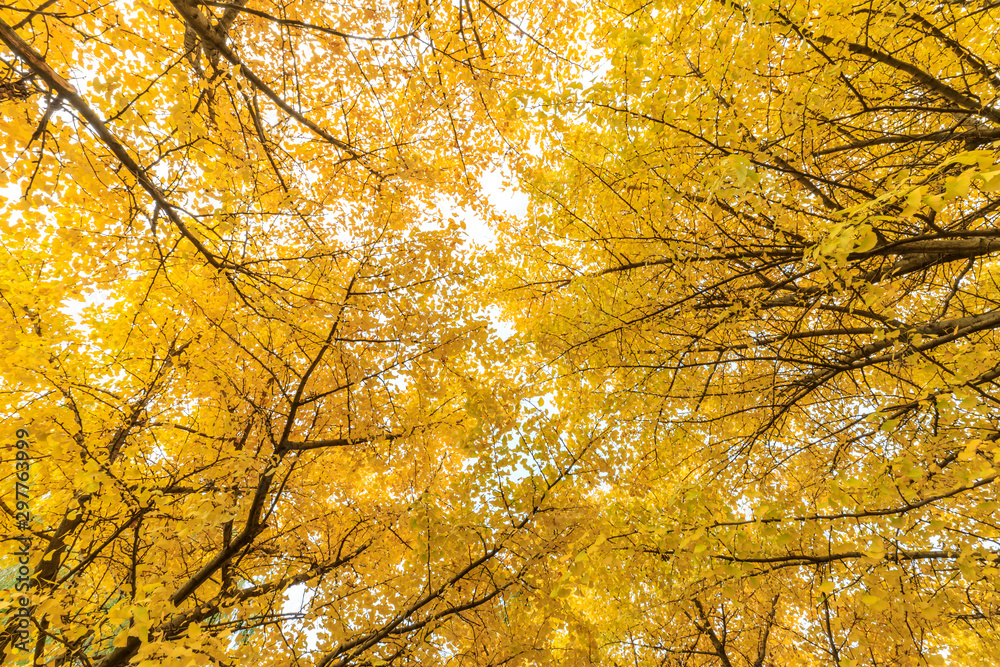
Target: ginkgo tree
{"points": [[265, 418], [747, 415], [763, 241]]}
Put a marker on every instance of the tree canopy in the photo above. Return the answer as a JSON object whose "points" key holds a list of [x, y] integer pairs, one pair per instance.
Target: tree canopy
{"points": [[745, 412]]}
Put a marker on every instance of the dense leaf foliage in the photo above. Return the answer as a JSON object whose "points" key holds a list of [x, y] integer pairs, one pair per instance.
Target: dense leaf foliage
{"points": [[241, 332], [747, 414], [769, 244]]}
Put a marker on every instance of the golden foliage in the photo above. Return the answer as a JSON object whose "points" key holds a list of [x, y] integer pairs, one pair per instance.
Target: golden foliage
{"points": [[747, 415]]}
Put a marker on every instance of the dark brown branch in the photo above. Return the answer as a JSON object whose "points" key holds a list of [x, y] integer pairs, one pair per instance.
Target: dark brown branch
{"points": [[982, 135], [337, 442]]}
